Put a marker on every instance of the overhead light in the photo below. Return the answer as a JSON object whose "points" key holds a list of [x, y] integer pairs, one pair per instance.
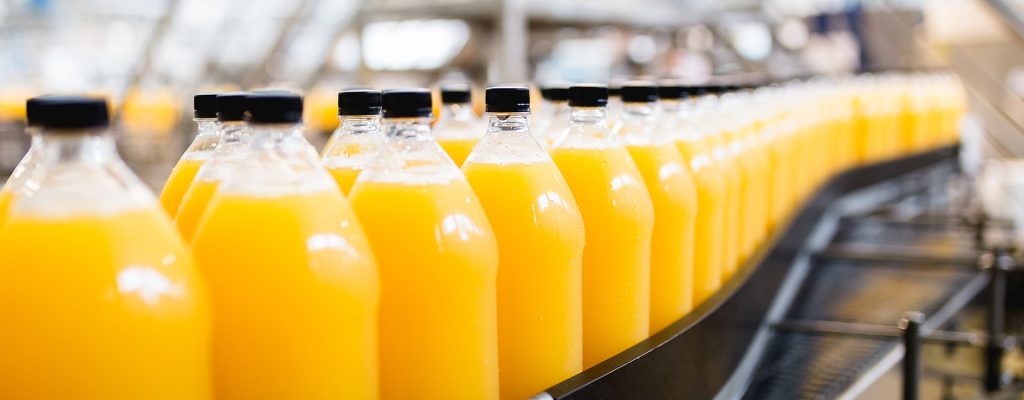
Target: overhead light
{"points": [[413, 44]]}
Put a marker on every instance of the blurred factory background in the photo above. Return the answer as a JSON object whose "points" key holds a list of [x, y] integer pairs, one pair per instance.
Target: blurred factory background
{"points": [[150, 56]]}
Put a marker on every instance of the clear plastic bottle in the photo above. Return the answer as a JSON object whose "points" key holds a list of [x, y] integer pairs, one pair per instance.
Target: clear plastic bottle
{"points": [[99, 292], [459, 128], [539, 231], [29, 162], [618, 219], [357, 138], [292, 279], [680, 103], [674, 195], [555, 119], [207, 137], [232, 148], [438, 262]]}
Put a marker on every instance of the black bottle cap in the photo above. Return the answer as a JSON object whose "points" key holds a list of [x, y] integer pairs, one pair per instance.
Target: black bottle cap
{"points": [[32, 109], [274, 107], [455, 94], [69, 112], [588, 95], [232, 106], [407, 103], [639, 92], [675, 90], [508, 99], [204, 105], [359, 102], [555, 92]]}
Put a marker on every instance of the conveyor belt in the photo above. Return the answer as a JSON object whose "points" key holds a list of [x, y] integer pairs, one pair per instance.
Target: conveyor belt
{"points": [[798, 365]]}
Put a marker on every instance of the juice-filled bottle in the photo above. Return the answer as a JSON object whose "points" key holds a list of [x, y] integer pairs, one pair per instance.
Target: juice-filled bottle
{"points": [[540, 247], [674, 195], [458, 129], [29, 162], [231, 150], [555, 120], [357, 138], [753, 165], [101, 300], [438, 262], [207, 138], [618, 218], [683, 116], [292, 280], [717, 138]]}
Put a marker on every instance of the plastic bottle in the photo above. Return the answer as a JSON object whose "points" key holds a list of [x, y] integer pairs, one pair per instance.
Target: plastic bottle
{"points": [[539, 232], [715, 121], [458, 129], [207, 138], [555, 120], [231, 150], [101, 299], [357, 138], [674, 195], [29, 162], [438, 262], [292, 279], [679, 105], [618, 219]]}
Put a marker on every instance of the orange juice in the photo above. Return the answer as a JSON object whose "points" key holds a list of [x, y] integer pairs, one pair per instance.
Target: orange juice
{"points": [[293, 283], [734, 192], [357, 138], [294, 294], [438, 262], [540, 239], [193, 208], [710, 223], [540, 272], [345, 177], [5, 202], [178, 183], [754, 167], [457, 149], [458, 129], [207, 139], [230, 153], [353, 147], [619, 220], [101, 300], [674, 196], [126, 282]]}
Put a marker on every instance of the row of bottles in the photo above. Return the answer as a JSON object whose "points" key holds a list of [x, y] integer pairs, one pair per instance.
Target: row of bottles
{"points": [[468, 259]]}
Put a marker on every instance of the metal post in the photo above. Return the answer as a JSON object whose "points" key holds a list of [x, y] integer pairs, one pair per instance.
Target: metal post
{"points": [[996, 325], [911, 327]]}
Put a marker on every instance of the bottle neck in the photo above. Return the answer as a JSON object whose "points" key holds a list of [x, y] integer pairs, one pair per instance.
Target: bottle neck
{"points": [[638, 112], [234, 129], [207, 126], [360, 123], [91, 146], [589, 117], [501, 123], [458, 111], [417, 127], [268, 135]]}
